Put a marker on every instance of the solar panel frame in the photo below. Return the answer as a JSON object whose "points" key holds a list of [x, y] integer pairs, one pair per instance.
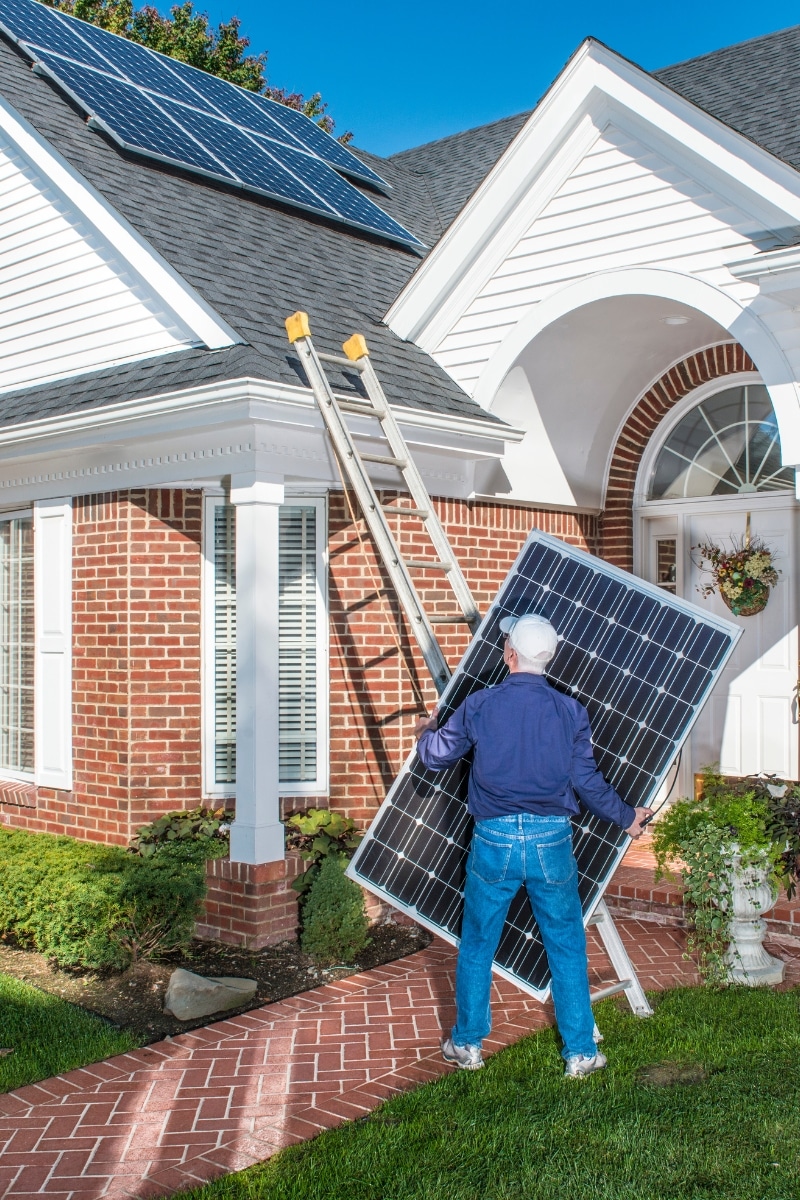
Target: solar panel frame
{"points": [[414, 854]]}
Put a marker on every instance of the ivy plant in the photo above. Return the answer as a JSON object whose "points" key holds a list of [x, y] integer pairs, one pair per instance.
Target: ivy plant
{"points": [[696, 840], [196, 834]]}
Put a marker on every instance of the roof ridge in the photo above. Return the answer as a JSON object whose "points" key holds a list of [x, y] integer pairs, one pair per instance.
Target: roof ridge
{"points": [[762, 37], [460, 133]]}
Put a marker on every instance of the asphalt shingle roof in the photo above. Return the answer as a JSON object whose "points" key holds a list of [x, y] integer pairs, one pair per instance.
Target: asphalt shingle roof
{"points": [[754, 87], [251, 260], [255, 262], [449, 171]]}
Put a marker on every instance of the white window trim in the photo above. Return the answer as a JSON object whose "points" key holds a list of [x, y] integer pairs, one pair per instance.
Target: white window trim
{"points": [[316, 787]]}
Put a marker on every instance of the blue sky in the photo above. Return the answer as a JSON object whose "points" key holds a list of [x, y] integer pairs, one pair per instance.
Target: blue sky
{"points": [[400, 74]]}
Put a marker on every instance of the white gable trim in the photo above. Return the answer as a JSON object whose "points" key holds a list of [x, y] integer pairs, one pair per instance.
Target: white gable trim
{"points": [[595, 86], [188, 307]]}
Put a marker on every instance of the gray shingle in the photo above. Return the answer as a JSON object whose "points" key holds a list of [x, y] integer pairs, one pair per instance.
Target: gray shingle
{"points": [[450, 170], [754, 87], [251, 260]]}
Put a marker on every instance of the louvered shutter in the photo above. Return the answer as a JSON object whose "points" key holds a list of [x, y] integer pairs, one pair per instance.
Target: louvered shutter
{"points": [[297, 644], [224, 550]]}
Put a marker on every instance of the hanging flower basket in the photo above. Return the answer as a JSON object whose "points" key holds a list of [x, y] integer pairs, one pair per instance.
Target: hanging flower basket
{"points": [[753, 601], [743, 574]]}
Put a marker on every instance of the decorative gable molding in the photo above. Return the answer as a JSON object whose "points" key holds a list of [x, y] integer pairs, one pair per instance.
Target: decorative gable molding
{"points": [[598, 96], [79, 289]]}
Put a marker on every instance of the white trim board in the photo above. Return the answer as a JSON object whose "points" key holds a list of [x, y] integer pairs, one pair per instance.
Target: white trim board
{"points": [[594, 87]]}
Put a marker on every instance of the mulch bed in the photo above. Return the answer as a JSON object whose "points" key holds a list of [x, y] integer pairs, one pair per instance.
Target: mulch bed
{"points": [[133, 1000]]}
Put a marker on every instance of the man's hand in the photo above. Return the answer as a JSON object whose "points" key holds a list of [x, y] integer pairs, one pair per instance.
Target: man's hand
{"points": [[425, 723], [635, 830]]}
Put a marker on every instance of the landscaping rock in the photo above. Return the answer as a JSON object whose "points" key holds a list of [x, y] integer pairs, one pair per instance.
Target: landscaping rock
{"points": [[190, 996]]}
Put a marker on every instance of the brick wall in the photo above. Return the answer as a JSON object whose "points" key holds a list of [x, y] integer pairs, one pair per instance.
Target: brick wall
{"points": [[136, 669], [379, 684], [137, 676], [616, 527]]}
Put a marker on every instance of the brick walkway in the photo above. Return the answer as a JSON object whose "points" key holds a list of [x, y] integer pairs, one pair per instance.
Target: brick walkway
{"points": [[186, 1110], [633, 893]]}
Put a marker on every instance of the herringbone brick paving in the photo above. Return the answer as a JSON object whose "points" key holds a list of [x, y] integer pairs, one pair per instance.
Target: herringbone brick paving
{"points": [[179, 1113]]}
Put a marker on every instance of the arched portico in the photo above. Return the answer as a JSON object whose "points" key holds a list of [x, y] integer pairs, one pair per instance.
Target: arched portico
{"points": [[593, 374], [573, 368]]}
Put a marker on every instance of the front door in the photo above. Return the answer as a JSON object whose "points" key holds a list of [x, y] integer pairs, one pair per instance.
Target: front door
{"points": [[750, 722]]}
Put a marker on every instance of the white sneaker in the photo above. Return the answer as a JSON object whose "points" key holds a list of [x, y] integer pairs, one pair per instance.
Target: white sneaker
{"points": [[468, 1058], [579, 1065]]}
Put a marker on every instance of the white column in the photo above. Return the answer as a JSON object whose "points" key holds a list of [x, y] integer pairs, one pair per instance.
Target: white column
{"points": [[256, 834]]}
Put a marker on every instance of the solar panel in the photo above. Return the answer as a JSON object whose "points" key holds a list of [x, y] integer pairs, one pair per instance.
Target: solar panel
{"points": [[164, 108], [640, 660]]}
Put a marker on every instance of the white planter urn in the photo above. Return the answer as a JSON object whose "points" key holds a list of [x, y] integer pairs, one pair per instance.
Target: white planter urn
{"points": [[752, 894]]}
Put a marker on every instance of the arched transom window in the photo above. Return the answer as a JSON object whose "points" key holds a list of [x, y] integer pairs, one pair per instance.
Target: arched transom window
{"points": [[727, 445]]}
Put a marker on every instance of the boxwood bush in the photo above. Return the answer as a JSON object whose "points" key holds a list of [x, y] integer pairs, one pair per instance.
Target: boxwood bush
{"points": [[92, 906]]}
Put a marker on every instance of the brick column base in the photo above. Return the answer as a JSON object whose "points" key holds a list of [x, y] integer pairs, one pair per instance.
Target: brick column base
{"points": [[252, 906]]}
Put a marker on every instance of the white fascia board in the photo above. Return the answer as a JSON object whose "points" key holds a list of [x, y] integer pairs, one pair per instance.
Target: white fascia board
{"points": [[769, 262], [593, 88], [190, 310], [147, 415]]}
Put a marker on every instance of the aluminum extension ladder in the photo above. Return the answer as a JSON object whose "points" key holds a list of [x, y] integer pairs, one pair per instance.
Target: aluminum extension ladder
{"points": [[352, 461]]}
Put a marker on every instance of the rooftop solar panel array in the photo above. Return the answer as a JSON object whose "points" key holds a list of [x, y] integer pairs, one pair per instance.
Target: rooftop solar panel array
{"points": [[173, 112], [642, 663]]}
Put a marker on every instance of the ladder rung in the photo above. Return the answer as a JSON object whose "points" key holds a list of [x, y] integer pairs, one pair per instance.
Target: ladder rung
{"points": [[387, 461], [339, 360], [422, 513], [447, 618], [363, 407], [613, 989], [434, 564]]}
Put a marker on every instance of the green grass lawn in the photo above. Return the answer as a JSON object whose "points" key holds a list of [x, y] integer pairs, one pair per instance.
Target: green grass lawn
{"points": [[518, 1131], [49, 1035]]}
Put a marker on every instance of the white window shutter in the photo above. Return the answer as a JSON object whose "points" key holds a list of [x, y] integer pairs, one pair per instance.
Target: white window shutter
{"points": [[52, 548]]}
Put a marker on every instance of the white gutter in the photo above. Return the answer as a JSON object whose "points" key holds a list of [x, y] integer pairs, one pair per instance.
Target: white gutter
{"points": [[196, 399], [769, 262]]}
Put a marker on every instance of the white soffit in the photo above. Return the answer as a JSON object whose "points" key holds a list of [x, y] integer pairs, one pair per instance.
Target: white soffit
{"points": [[595, 89], [80, 289]]}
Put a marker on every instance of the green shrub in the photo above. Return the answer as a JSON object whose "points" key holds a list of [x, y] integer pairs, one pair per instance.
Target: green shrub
{"points": [[335, 924], [98, 907], [316, 833]]}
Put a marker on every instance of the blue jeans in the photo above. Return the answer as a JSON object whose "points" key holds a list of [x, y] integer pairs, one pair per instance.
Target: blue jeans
{"points": [[507, 852]]}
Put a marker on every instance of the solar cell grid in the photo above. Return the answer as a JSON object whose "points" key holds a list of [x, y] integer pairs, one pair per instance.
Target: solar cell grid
{"points": [[246, 157], [641, 662], [131, 118], [42, 27]]}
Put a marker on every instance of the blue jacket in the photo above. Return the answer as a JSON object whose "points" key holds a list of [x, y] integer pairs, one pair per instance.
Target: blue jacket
{"points": [[533, 752]]}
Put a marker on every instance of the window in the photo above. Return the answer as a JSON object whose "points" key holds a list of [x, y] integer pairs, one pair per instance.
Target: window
{"points": [[16, 645], [727, 445], [301, 650]]}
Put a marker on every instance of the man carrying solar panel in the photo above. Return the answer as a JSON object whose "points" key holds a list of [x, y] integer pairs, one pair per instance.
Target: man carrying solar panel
{"points": [[532, 754]]}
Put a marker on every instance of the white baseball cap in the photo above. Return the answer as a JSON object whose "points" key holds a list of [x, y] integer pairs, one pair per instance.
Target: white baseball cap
{"points": [[533, 638]]}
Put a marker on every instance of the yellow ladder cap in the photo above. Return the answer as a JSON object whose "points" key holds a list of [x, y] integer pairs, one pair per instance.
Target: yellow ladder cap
{"points": [[297, 326], [356, 347]]}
